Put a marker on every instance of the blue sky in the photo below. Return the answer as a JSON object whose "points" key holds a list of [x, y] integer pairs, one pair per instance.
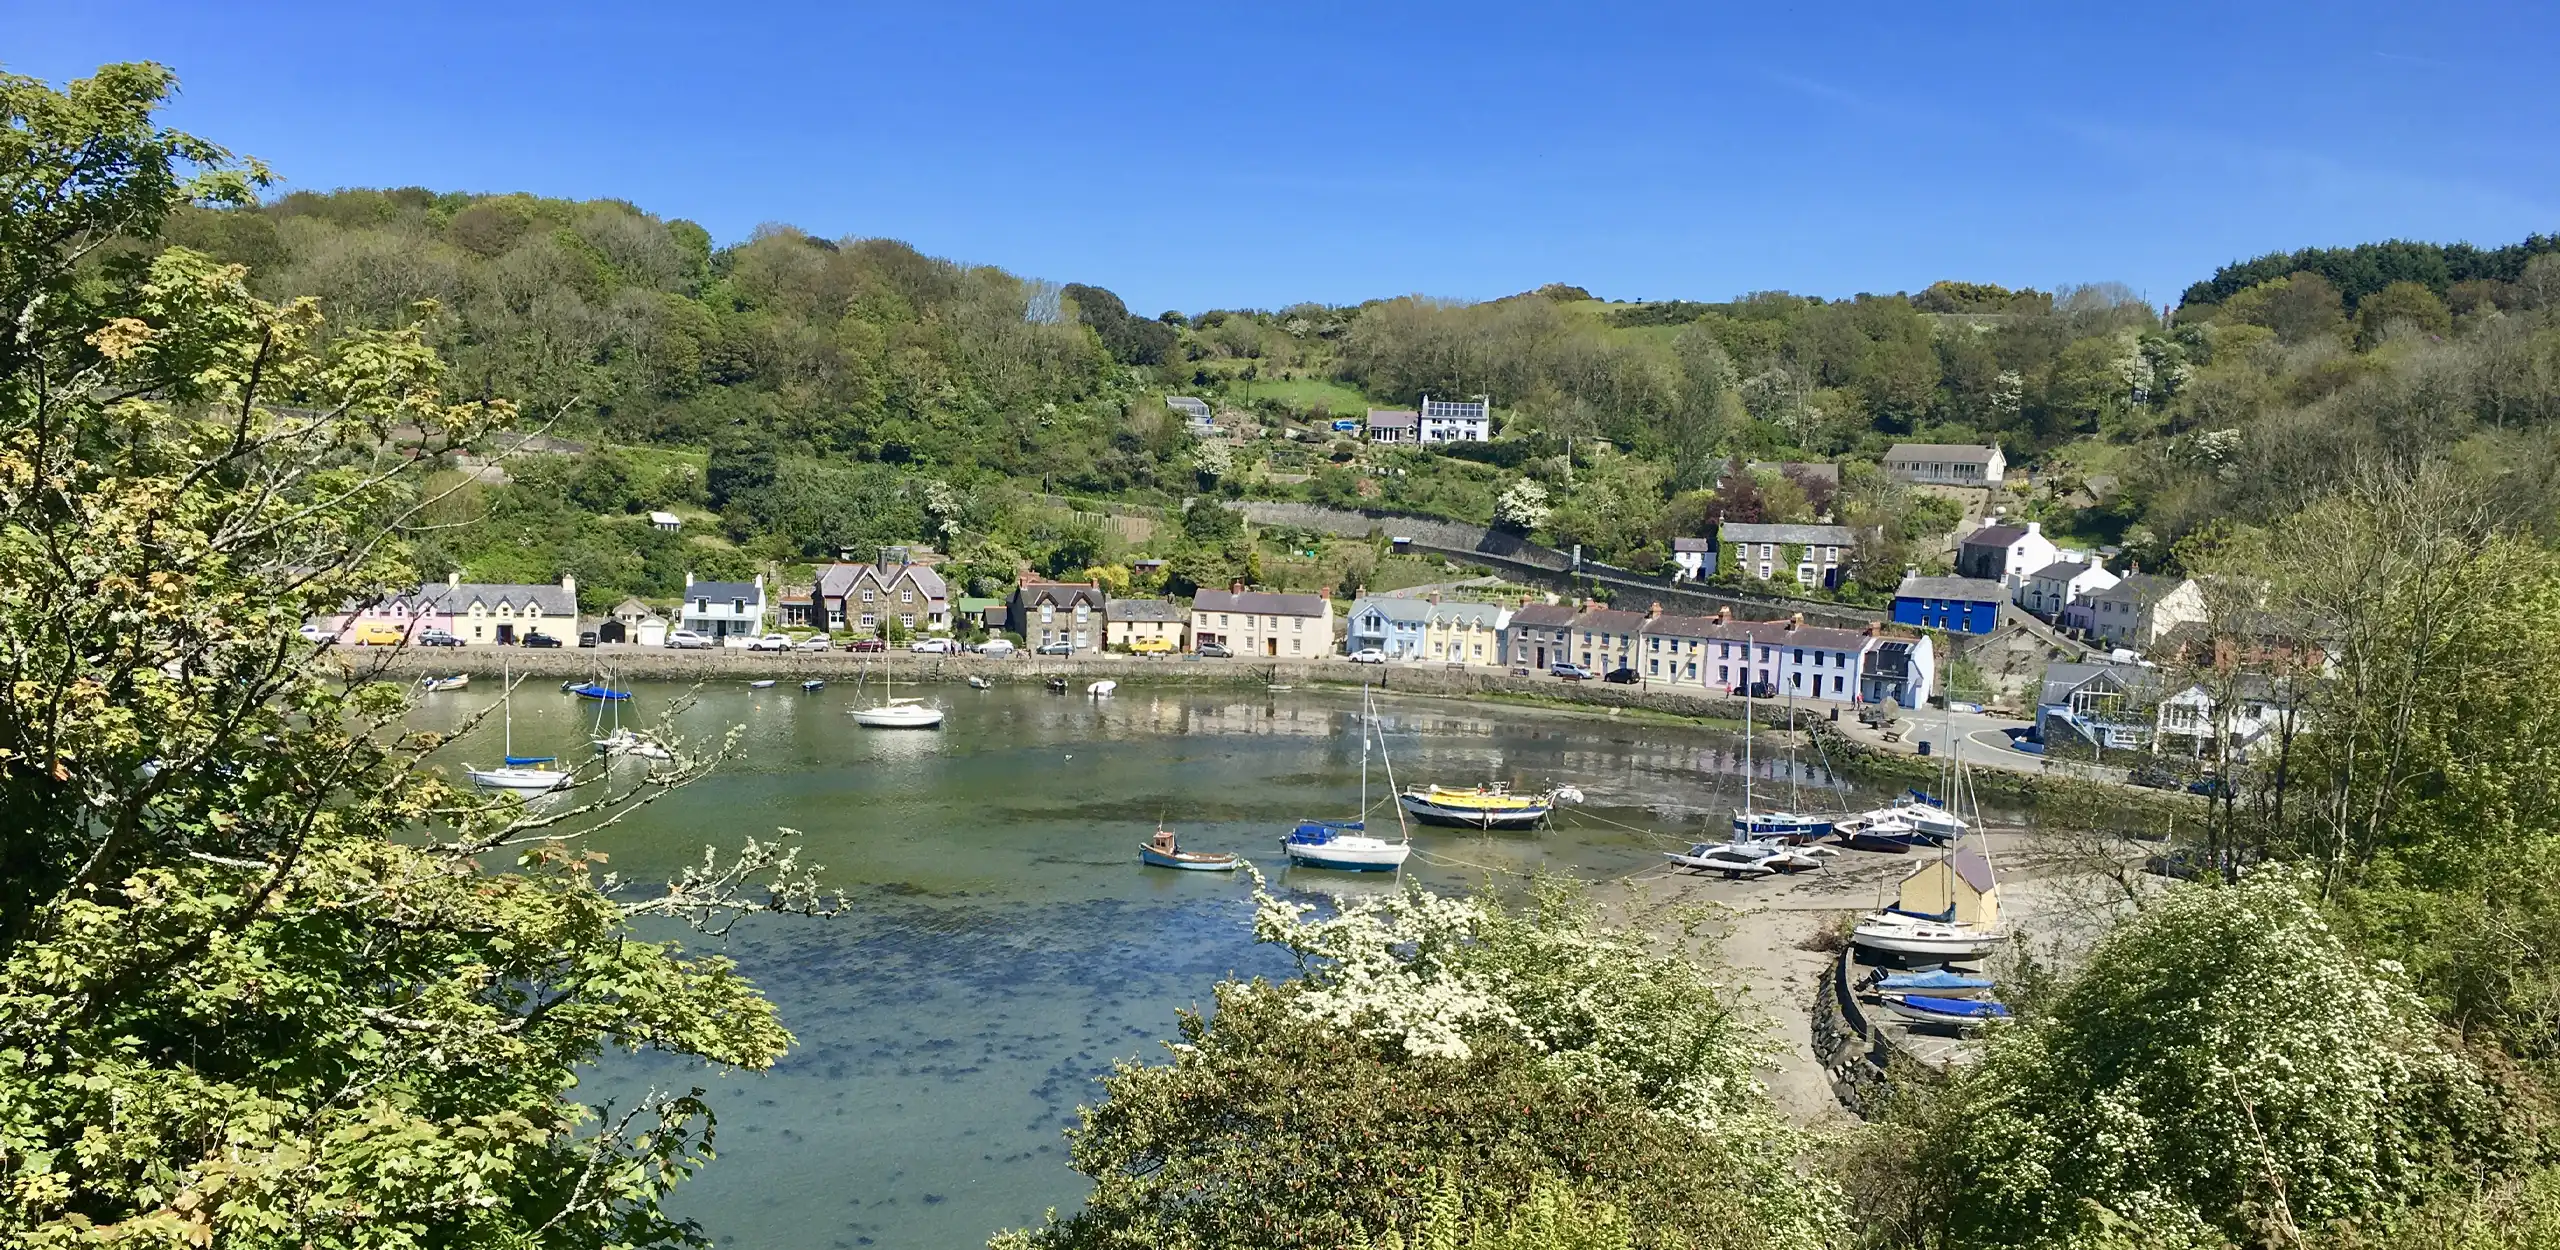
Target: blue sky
{"points": [[1207, 155]]}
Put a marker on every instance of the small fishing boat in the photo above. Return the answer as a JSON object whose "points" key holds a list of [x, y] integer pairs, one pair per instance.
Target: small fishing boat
{"points": [[813, 685], [1162, 852], [1102, 689], [766, 684], [632, 743], [1961, 1013], [981, 683], [1491, 806], [596, 690], [1057, 685], [1938, 982], [1900, 934], [433, 685]]}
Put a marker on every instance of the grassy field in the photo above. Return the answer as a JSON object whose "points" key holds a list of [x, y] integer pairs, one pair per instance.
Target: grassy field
{"points": [[1303, 394]]}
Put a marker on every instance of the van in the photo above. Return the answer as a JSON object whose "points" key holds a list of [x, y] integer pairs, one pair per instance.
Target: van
{"points": [[1154, 644], [377, 634]]}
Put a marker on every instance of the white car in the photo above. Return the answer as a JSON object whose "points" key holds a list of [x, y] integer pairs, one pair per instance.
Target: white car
{"points": [[313, 633], [687, 640], [934, 646], [771, 642], [1368, 655], [817, 642], [997, 646]]}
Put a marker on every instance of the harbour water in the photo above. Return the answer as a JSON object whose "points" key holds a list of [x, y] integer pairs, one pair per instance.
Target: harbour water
{"points": [[1003, 947]]}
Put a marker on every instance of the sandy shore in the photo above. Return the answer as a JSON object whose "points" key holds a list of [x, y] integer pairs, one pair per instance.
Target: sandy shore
{"points": [[2057, 892]]}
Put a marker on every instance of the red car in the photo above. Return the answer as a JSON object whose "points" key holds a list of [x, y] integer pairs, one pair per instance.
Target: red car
{"points": [[866, 644]]}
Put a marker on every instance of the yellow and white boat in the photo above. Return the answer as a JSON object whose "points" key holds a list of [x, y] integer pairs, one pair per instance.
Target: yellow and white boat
{"points": [[1483, 807]]}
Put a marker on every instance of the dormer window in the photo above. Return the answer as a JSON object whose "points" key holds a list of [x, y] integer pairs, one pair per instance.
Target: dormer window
{"points": [[702, 605], [738, 606]]}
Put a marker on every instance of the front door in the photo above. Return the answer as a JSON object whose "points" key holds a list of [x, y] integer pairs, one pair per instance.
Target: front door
{"points": [[1271, 647], [1542, 659], [506, 635]]}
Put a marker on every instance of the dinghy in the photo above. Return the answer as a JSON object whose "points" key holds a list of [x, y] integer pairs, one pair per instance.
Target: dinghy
{"points": [[1102, 689], [1162, 852], [766, 684], [812, 686], [981, 683], [1938, 982], [597, 690], [433, 685], [1960, 1013], [631, 743]]}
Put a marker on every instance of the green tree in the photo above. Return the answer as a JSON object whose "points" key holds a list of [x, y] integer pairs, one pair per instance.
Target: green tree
{"points": [[2400, 304], [255, 987]]}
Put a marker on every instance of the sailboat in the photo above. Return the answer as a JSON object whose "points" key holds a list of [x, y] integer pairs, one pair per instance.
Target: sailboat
{"points": [[623, 741], [1947, 910], [1489, 806], [896, 713], [1753, 825], [520, 773], [1345, 845]]}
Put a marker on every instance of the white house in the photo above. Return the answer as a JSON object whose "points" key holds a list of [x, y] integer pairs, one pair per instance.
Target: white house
{"points": [[1946, 464], [1810, 555], [1262, 623], [667, 521], [722, 611], [2056, 586], [1695, 556], [1457, 421], [2005, 553]]}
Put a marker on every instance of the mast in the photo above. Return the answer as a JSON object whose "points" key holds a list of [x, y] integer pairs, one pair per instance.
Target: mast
{"points": [[1793, 804], [507, 710], [1746, 733]]}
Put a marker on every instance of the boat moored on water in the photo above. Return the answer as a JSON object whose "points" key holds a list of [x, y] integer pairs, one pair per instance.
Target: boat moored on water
{"points": [[1479, 807], [595, 690], [632, 743], [1102, 689], [898, 714], [434, 685], [1162, 851], [1342, 845], [813, 685], [766, 684]]}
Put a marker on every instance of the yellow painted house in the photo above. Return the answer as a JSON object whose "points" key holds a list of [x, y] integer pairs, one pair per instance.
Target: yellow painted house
{"points": [[1958, 887], [1464, 633]]}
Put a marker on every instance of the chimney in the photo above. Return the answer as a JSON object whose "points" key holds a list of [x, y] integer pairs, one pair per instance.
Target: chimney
{"points": [[759, 579], [1236, 587], [453, 577], [1654, 613], [688, 579], [1435, 598], [2035, 529], [569, 584], [1795, 622], [1724, 614], [1870, 630]]}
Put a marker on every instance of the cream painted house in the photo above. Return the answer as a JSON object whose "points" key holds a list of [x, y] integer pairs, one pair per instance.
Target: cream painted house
{"points": [[1160, 621], [1262, 624], [1465, 633]]}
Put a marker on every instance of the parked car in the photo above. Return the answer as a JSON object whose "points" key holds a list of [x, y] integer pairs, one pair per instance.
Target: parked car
{"points": [[537, 638], [934, 646], [1570, 672], [1060, 647], [437, 638], [816, 642], [1620, 677], [1755, 690], [770, 642], [1368, 655], [2210, 787], [997, 646], [869, 645], [313, 633], [377, 634], [1213, 651], [587, 638], [687, 640], [1153, 644]]}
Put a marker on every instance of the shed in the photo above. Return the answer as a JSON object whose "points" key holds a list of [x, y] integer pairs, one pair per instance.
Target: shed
{"points": [[1956, 888]]}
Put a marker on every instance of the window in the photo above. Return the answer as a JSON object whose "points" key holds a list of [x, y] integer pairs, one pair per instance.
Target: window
{"points": [[1835, 684], [908, 620], [1653, 667], [1297, 622], [1293, 646], [1799, 655], [906, 596], [1724, 673], [738, 606], [1222, 620], [867, 620], [1795, 681], [1048, 613]]}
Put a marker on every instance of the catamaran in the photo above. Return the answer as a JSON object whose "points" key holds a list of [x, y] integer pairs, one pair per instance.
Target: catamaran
{"points": [[1752, 825], [1345, 845], [520, 773]]}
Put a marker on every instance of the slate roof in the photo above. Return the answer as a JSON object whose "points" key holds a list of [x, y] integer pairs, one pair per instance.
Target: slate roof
{"points": [[1974, 867], [1262, 602], [837, 580], [1488, 615], [749, 591], [1393, 418], [2065, 569], [1543, 616], [1144, 610], [456, 599], [1963, 589], [2061, 679], [1800, 535], [1952, 453], [2140, 588], [1415, 610], [1995, 536], [1700, 546]]}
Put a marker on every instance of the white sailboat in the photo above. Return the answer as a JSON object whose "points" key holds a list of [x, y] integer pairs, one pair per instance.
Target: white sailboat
{"points": [[523, 774], [621, 741], [1751, 824], [1961, 918], [896, 713], [1345, 845]]}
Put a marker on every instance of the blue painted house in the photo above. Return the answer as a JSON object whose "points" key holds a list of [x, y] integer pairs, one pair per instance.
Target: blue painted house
{"points": [[1961, 605], [1394, 626]]}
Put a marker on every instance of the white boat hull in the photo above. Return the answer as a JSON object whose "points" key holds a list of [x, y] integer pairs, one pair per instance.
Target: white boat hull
{"points": [[1348, 853], [517, 780], [898, 716], [1944, 941], [1731, 864]]}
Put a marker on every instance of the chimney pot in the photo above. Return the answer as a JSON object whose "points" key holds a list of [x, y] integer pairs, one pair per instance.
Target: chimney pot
{"points": [[454, 578], [1654, 612], [1236, 587]]}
